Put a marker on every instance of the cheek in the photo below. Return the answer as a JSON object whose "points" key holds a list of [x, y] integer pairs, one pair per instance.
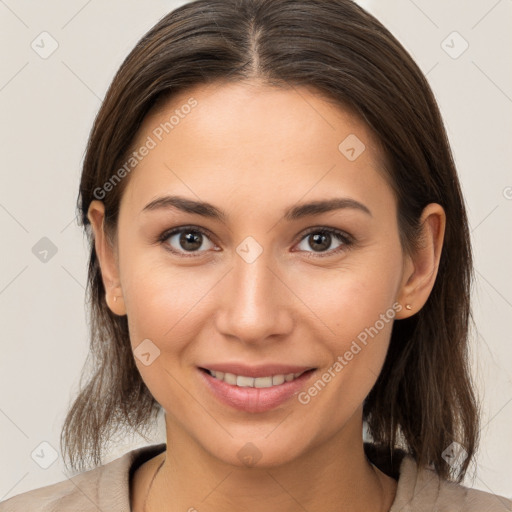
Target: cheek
{"points": [[162, 301], [360, 319], [352, 296], [356, 305], [163, 307], [360, 315]]}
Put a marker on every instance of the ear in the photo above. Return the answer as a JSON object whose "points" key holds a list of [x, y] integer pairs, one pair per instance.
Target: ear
{"points": [[107, 259], [420, 268]]}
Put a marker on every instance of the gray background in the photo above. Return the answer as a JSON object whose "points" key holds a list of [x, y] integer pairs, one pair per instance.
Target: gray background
{"points": [[47, 109]]}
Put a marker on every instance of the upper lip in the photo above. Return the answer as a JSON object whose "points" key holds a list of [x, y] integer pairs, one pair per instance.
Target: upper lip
{"points": [[262, 370]]}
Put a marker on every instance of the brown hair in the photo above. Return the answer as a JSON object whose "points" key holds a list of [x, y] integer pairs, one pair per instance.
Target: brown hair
{"points": [[423, 400]]}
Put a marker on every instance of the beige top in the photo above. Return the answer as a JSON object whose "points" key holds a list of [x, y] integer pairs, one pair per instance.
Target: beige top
{"points": [[107, 488]]}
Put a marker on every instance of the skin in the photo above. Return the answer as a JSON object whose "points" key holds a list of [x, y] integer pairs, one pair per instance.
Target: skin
{"points": [[254, 151]]}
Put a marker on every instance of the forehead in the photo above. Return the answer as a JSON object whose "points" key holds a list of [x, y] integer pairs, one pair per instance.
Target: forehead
{"points": [[250, 136], [259, 109]]}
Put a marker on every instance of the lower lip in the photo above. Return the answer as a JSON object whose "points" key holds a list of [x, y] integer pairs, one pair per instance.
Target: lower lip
{"points": [[255, 399]]}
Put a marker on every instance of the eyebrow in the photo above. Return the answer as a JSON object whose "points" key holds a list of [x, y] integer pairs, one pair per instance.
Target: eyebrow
{"points": [[292, 213]]}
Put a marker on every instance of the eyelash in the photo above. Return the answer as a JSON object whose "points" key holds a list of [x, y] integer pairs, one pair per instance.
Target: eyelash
{"points": [[347, 240]]}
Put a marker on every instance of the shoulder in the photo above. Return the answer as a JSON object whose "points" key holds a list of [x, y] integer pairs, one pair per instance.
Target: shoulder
{"points": [[106, 487], [422, 489], [70, 494]]}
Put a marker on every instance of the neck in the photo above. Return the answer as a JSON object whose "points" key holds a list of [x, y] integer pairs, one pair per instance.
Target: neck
{"points": [[333, 476]]}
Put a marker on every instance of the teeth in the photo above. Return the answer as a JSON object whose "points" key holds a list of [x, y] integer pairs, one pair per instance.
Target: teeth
{"points": [[254, 382]]}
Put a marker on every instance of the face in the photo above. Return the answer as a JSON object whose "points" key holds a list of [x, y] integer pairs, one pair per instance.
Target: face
{"points": [[265, 284]]}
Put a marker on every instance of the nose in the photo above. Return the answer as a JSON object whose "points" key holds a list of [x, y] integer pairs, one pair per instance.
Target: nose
{"points": [[256, 303]]}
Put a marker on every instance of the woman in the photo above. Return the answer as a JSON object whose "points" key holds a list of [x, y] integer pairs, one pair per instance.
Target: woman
{"points": [[279, 257]]}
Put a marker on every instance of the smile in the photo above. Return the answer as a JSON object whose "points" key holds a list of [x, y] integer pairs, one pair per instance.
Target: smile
{"points": [[254, 382]]}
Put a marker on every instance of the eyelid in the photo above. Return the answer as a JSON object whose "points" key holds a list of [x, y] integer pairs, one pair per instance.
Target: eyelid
{"points": [[326, 229]]}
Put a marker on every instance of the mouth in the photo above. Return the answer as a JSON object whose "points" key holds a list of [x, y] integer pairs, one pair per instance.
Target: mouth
{"points": [[244, 381], [254, 394]]}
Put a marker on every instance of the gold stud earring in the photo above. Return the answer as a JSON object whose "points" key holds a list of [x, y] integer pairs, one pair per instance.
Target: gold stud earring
{"points": [[408, 306], [115, 298]]}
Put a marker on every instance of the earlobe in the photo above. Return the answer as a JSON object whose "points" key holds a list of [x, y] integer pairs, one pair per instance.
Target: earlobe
{"points": [[106, 258], [420, 270], [115, 302]]}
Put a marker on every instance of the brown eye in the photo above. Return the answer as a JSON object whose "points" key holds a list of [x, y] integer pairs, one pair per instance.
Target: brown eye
{"points": [[187, 240], [320, 240]]}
